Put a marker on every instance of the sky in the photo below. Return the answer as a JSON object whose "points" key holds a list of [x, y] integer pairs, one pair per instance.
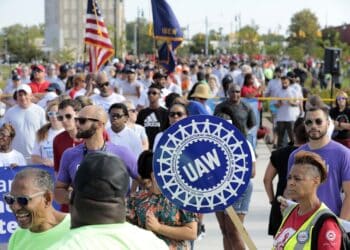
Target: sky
{"points": [[269, 15]]}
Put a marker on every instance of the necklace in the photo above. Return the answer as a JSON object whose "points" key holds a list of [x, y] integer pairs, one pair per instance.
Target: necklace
{"points": [[103, 148]]}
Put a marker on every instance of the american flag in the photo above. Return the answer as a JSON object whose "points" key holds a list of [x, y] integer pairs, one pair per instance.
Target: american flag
{"points": [[97, 41]]}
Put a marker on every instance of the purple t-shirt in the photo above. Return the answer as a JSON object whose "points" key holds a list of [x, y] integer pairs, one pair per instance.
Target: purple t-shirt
{"points": [[337, 158], [72, 157]]}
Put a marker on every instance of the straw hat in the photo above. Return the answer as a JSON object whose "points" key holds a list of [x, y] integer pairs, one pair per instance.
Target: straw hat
{"points": [[202, 91]]}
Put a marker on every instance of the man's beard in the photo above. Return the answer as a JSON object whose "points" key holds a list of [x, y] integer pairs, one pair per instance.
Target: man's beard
{"points": [[4, 148], [321, 135], [86, 134]]}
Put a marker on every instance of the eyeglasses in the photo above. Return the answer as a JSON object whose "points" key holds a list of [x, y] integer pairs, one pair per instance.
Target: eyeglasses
{"points": [[116, 116], [83, 120], [152, 93], [67, 116], [104, 84], [132, 110], [341, 98], [22, 200], [52, 114], [173, 114], [317, 121]]}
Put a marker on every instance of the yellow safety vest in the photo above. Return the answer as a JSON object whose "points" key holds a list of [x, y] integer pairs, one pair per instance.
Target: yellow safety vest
{"points": [[301, 239]]}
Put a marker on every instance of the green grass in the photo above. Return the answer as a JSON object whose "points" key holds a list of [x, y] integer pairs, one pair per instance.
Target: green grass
{"points": [[5, 73]]}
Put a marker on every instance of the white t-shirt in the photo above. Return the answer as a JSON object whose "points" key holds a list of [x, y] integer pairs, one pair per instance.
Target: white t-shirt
{"points": [[44, 149], [48, 97], [286, 112], [12, 157], [127, 138], [106, 102], [140, 131], [26, 122], [129, 90]]}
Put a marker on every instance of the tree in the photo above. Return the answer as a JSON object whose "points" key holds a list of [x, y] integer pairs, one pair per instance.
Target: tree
{"points": [[145, 42], [304, 30], [248, 38], [273, 44], [198, 43], [21, 42]]}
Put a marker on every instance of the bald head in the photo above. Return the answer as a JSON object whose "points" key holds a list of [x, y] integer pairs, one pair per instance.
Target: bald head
{"points": [[95, 112]]}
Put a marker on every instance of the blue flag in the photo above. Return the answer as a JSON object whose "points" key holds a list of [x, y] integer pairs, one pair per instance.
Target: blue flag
{"points": [[166, 26], [166, 57]]}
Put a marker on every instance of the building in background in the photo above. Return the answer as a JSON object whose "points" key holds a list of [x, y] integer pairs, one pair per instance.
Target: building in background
{"points": [[65, 24]]}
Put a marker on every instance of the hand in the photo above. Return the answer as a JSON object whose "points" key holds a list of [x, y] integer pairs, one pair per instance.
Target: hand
{"points": [[48, 162], [283, 202], [152, 222]]}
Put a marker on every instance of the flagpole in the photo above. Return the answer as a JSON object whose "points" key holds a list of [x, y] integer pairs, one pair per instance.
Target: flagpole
{"points": [[84, 58]]}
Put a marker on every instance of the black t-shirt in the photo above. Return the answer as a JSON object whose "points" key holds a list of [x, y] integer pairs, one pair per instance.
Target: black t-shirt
{"points": [[154, 121], [279, 160], [343, 117], [242, 113]]}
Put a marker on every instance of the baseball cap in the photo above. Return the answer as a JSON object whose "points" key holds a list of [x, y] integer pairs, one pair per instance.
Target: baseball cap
{"points": [[159, 75], [290, 75], [16, 77], [54, 87], [25, 88], [39, 67], [101, 177]]}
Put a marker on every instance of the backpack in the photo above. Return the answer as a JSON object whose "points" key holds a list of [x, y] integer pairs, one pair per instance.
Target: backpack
{"points": [[345, 242]]}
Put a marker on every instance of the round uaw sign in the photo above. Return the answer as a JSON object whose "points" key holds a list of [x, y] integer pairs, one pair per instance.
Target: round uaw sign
{"points": [[202, 163]]}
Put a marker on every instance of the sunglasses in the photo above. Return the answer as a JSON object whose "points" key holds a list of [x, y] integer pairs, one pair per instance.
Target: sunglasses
{"points": [[83, 120], [22, 200], [152, 93], [341, 98], [235, 91], [173, 114], [116, 116], [317, 121], [52, 114], [67, 116], [104, 84]]}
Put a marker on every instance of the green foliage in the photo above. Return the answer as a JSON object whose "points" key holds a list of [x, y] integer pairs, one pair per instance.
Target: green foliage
{"points": [[145, 41], [296, 53], [64, 55], [304, 30], [198, 44], [20, 42], [248, 38]]}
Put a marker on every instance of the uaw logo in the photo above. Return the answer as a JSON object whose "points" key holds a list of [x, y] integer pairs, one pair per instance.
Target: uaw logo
{"points": [[202, 164]]}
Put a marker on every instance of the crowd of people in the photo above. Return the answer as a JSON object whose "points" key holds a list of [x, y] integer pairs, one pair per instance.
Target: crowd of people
{"points": [[99, 131]]}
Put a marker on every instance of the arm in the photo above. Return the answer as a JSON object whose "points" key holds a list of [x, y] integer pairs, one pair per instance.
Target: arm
{"points": [[324, 241], [270, 174], [341, 125], [345, 209], [186, 232], [62, 192], [38, 160]]}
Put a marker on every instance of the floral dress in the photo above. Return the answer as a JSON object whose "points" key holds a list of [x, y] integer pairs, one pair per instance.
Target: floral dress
{"points": [[163, 209]]}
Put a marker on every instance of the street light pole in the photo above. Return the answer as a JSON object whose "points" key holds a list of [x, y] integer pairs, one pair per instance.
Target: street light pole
{"points": [[115, 29]]}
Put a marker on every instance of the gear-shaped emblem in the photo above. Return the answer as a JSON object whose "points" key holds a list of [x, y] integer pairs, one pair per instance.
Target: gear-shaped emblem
{"points": [[202, 163]]}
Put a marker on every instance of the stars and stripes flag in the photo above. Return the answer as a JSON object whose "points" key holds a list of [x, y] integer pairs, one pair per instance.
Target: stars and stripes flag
{"points": [[97, 41]]}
